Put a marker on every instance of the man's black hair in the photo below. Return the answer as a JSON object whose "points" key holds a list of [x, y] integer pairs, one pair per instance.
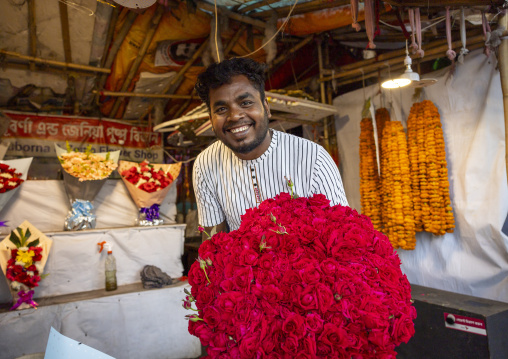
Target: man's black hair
{"points": [[221, 73]]}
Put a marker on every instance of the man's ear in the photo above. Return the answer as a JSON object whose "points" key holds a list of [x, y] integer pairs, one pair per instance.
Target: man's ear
{"points": [[267, 108]]}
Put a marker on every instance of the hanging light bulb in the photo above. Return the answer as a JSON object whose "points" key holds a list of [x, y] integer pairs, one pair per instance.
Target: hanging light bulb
{"points": [[406, 78]]}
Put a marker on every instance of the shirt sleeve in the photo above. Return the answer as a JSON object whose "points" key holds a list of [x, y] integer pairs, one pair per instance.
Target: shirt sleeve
{"points": [[326, 179], [210, 212]]}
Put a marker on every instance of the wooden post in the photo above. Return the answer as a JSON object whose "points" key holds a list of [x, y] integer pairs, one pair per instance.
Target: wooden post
{"points": [[141, 53], [503, 69], [64, 21], [32, 38]]}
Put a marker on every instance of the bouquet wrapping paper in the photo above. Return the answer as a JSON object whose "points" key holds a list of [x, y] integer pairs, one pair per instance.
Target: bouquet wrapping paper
{"points": [[146, 200], [81, 192]]}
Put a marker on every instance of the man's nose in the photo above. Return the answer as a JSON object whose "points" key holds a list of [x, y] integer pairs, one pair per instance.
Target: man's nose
{"points": [[237, 113]]}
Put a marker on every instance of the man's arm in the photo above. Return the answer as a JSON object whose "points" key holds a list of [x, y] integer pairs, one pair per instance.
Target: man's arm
{"points": [[326, 179], [221, 227]]}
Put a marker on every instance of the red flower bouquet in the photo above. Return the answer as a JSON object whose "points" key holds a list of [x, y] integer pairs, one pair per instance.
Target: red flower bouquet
{"points": [[23, 255], [148, 185], [300, 279], [9, 179], [147, 178], [12, 174]]}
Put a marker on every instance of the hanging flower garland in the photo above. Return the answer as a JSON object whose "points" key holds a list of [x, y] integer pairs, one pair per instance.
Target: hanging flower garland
{"points": [[369, 177], [398, 219], [431, 197], [382, 117]]}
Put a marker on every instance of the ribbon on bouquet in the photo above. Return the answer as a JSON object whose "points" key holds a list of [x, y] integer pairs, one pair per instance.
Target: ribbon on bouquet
{"points": [[150, 213], [25, 297], [80, 216]]}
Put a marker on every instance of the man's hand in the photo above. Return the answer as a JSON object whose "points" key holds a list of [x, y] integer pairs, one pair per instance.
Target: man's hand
{"points": [[221, 227]]}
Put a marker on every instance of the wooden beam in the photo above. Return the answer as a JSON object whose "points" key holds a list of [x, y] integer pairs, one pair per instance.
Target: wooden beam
{"points": [[144, 95], [25, 66], [441, 50], [234, 39], [32, 35], [232, 15], [302, 8], [394, 69], [443, 3], [109, 36], [154, 23], [55, 63], [257, 5], [64, 22], [282, 58]]}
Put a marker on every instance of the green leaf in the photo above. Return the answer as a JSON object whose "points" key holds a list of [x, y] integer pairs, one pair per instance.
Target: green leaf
{"points": [[68, 146], [107, 156], [33, 243], [27, 234], [43, 275], [14, 239], [213, 232], [21, 236]]}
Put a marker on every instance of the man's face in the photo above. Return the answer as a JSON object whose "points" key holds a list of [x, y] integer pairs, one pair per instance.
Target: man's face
{"points": [[239, 117]]}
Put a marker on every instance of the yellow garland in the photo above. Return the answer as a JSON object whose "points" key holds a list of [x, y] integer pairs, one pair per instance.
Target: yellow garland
{"points": [[398, 219], [369, 178], [432, 205]]}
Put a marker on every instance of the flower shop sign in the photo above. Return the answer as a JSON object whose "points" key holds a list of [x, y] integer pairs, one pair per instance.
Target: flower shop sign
{"points": [[31, 135]]}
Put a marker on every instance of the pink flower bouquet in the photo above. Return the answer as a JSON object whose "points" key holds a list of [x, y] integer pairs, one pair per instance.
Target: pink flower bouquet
{"points": [[300, 279]]}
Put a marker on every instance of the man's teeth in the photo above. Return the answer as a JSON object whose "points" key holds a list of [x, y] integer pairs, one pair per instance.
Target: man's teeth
{"points": [[239, 129]]}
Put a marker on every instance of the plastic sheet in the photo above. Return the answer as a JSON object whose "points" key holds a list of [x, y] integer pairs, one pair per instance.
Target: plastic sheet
{"points": [[472, 260]]}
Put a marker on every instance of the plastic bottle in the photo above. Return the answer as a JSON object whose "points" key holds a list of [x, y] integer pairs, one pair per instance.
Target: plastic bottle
{"points": [[110, 267]]}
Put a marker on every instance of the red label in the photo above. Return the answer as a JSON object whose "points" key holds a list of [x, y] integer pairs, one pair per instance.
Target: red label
{"points": [[466, 324]]}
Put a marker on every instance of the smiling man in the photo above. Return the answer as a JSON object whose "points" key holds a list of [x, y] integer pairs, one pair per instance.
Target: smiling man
{"points": [[250, 162]]}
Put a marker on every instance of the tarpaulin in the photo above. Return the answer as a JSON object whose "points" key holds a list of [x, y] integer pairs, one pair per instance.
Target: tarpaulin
{"points": [[474, 259]]}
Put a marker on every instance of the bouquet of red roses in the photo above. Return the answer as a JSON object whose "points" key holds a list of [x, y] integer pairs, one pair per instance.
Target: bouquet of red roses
{"points": [[12, 174], [148, 185], [300, 279], [9, 179]]}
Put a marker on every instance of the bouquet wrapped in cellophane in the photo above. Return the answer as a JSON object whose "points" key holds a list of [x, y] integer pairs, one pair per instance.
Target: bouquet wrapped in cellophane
{"points": [[84, 175], [148, 185], [23, 255], [12, 174]]}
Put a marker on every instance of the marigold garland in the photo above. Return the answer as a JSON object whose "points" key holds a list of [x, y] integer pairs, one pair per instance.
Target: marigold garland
{"points": [[369, 177], [398, 218], [382, 117], [433, 211]]}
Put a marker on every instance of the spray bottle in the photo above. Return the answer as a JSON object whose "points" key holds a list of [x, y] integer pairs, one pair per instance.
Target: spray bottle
{"points": [[110, 266]]}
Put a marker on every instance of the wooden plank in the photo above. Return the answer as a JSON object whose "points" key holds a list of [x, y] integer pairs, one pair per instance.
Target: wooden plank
{"points": [[66, 37], [93, 294], [55, 63], [137, 94], [139, 58], [257, 5], [32, 35], [234, 39], [282, 58], [232, 15], [443, 3], [441, 50], [302, 8]]}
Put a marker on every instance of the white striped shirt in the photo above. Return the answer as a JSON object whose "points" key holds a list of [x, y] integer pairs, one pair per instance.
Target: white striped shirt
{"points": [[226, 186]]}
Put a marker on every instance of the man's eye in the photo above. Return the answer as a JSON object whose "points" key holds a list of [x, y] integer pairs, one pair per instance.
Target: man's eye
{"points": [[220, 110], [247, 103]]}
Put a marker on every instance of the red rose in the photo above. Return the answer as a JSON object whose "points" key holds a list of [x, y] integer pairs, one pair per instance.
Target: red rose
{"points": [[334, 336], [294, 324], [307, 299], [314, 322], [204, 333], [403, 327], [249, 346]]}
